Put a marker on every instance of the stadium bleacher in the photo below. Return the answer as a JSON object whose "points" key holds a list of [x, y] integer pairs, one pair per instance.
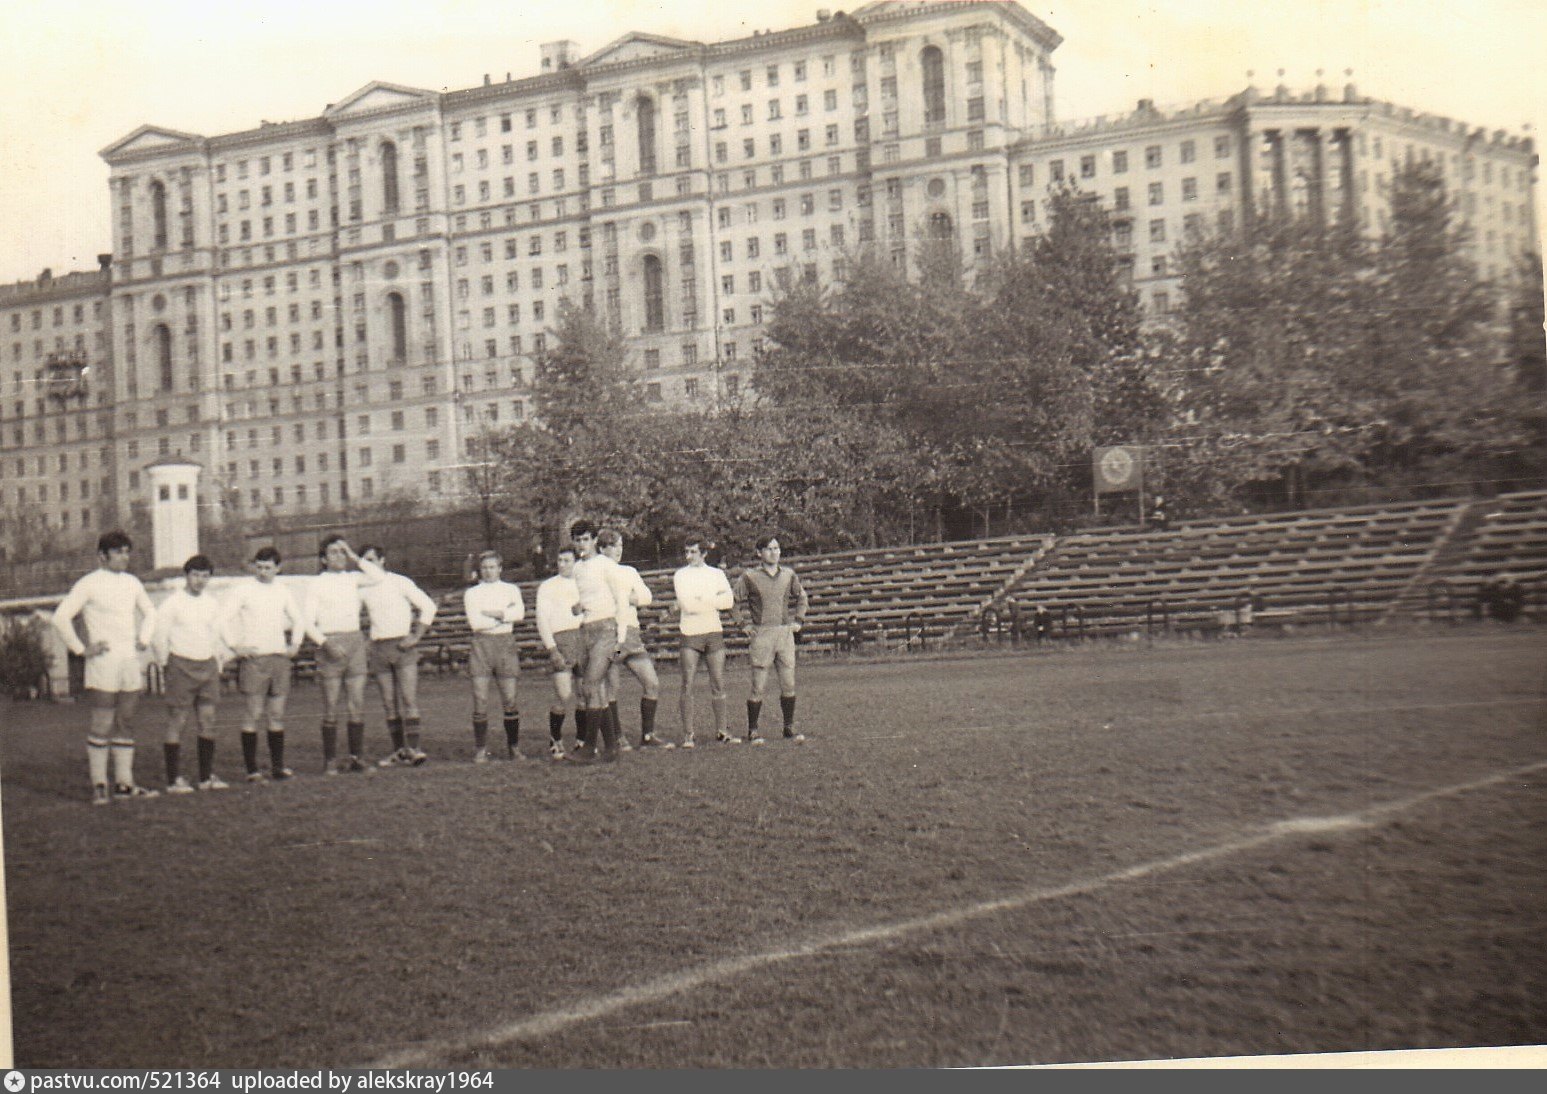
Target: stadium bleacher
{"points": [[1506, 540], [1347, 564]]}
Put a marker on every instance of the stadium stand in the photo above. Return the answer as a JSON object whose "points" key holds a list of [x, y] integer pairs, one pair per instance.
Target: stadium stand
{"points": [[1342, 564], [898, 594], [1504, 538]]}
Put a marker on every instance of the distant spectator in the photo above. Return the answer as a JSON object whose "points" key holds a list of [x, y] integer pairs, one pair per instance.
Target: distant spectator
{"points": [[1247, 606], [853, 633], [1158, 518], [1041, 624], [1509, 601], [1483, 603]]}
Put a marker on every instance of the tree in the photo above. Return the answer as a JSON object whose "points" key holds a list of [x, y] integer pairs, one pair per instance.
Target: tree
{"points": [[999, 382], [1309, 355]]}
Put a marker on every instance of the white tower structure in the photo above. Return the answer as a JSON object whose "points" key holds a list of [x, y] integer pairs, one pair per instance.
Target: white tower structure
{"points": [[174, 510]]}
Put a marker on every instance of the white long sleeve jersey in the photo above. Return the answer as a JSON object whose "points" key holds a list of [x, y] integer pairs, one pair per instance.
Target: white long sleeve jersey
{"points": [[390, 605], [107, 603], [703, 592], [257, 616], [556, 600]]}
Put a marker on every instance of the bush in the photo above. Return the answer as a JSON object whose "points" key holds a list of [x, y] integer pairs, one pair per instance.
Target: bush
{"points": [[23, 661]]}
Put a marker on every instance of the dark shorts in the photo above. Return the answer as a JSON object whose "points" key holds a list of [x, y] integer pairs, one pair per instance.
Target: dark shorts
{"points": [[190, 683], [266, 674], [599, 640], [493, 655], [385, 655], [713, 642], [634, 644], [571, 647], [343, 656]]}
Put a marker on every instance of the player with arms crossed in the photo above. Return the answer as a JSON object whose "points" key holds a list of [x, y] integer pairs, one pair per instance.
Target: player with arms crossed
{"points": [[494, 607], [771, 603], [702, 592], [108, 600], [262, 626], [188, 646], [559, 629], [332, 614], [393, 657], [634, 654]]}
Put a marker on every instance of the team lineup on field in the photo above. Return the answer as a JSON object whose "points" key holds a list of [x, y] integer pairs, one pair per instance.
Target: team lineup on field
{"points": [[587, 617]]}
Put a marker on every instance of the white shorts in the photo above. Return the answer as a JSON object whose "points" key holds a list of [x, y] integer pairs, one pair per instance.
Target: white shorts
{"points": [[115, 670]]}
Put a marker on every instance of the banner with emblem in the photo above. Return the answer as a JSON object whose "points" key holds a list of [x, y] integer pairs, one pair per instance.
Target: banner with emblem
{"points": [[1118, 469]]}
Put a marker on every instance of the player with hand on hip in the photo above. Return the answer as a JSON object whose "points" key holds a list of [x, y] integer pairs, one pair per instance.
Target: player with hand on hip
{"points": [[634, 654], [393, 657], [108, 600]]}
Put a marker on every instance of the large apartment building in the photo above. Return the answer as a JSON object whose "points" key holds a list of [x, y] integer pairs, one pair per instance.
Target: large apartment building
{"points": [[327, 311], [1166, 172]]}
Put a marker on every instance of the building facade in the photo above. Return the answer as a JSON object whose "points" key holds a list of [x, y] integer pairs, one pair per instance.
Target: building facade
{"points": [[327, 312], [1163, 173]]}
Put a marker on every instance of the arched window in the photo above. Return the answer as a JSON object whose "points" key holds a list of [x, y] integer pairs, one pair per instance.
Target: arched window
{"points": [[158, 213], [655, 300], [397, 319], [389, 191], [644, 116], [161, 340], [934, 85], [940, 226]]}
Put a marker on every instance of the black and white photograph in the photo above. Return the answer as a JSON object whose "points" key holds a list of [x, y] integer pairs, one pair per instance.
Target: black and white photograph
{"points": [[604, 535]]}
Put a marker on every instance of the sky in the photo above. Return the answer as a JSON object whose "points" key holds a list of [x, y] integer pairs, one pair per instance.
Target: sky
{"points": [[76, 75]]}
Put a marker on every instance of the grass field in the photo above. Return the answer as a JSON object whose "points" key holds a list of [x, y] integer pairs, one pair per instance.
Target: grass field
{"points": [[1268, 846]]}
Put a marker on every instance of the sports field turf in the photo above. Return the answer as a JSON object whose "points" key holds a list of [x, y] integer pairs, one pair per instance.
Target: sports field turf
{"points": [[1266, 846]]}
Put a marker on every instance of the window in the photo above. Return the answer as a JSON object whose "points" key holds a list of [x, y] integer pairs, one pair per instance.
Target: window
{"points": [[1222, 148], [1189, 189], [644, 115], [1157, 231], [655, 307], [1119, 163], [1189, 151], [162, 338], [389, 180], [1152, 157], [1055, 170], [398, 325], [1157, 193], [1087, 167], [933, 63], [158, 211], [1222, 183], [1120, 198]]}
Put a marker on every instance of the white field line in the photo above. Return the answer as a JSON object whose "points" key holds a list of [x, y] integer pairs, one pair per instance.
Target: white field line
{"points": [[1394, 708], [551, 1022]]}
